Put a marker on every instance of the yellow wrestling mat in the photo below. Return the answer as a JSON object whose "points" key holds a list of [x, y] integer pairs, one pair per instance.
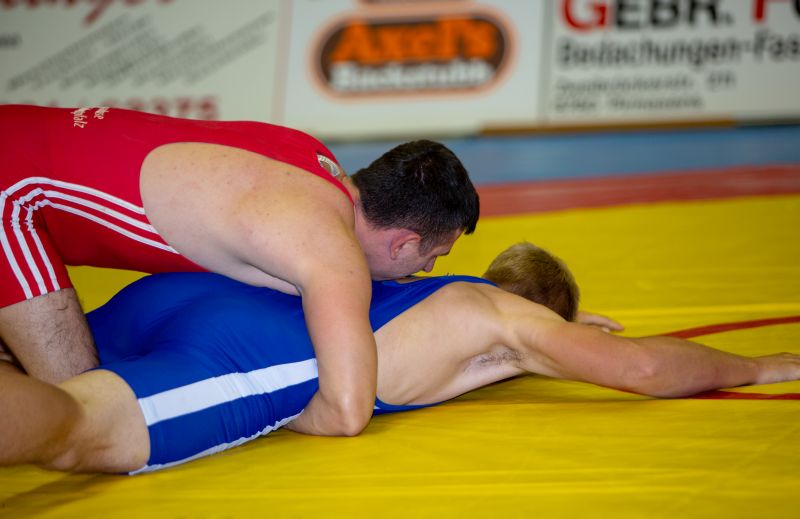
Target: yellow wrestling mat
{"points": [[532, 447]]}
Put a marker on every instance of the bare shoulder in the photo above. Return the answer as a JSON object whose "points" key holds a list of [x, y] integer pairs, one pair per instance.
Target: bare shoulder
{"points": [[468, 290], [228, 175], [456, 307], [484, 309], [488, 299], [480, 292], [245, 215]]}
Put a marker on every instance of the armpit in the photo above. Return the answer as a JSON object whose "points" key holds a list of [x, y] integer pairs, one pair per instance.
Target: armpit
{"points": [[501, 356]]}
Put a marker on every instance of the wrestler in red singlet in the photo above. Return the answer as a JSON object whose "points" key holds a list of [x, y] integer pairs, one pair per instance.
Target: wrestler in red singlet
{"points": [[70, 188]]}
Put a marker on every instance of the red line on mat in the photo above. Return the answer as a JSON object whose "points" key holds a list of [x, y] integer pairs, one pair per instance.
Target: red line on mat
{"points": [[725, 327], [741, 325], [556, 195], [732, 395]]}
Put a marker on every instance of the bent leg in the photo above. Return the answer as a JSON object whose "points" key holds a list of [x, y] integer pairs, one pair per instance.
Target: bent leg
{"points": [[92, 423], [49, 336]]}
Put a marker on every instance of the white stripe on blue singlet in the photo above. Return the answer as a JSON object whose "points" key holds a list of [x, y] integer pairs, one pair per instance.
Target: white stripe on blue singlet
{"points": [[217, 448], [226, 388]]}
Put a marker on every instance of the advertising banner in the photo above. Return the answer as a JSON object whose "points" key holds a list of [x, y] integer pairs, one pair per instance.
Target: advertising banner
{"points": [[203, 59], [361, 68], [353, 69], [661, 60]]}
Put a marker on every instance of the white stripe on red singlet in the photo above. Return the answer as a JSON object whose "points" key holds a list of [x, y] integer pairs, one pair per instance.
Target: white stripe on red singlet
{"points": [[39, 247], [109, 225], [12, 261], [49, 194], [76, 187], [26, 252], [110, 213]]}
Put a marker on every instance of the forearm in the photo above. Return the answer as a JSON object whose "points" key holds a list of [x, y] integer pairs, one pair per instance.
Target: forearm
{"points": [[342, 406], [656, 366], [675, 368], [347, 362], [314, 247]]}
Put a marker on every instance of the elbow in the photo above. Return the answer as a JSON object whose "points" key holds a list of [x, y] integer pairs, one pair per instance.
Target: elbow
{"points": [[353, 427], [350, 417], [352, 423], [647, 376]]}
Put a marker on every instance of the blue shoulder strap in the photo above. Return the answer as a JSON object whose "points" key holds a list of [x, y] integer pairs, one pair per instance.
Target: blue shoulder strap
{"points": [[390, 298]]}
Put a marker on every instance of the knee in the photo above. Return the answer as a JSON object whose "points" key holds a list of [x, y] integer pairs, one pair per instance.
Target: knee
{"points": [[92, 441], [69, 447]]}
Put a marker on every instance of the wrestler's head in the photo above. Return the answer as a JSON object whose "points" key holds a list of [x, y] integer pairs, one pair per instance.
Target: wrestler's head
{"points": [[413, 203], [535, 274]]}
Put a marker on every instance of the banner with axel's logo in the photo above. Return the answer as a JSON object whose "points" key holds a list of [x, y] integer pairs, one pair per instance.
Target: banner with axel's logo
{"points": [[411, 68], [418, 54], [201, 59], [654, 60]]}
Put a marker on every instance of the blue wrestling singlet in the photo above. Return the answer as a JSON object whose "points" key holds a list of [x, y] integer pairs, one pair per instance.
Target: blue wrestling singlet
{"points": [[215, 363]]}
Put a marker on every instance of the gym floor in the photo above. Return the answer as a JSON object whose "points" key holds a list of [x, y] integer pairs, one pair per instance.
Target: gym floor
{"points": [[695, 233]]}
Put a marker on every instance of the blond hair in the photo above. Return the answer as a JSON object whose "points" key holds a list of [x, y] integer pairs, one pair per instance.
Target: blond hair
{"points": [[535, 274]]}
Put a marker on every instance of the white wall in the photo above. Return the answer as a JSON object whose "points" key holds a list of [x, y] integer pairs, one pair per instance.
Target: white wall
{"points": [[354, 69]]}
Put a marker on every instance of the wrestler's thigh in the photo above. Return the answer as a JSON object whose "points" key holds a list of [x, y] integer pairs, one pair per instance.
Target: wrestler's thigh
{"points": [[113, 436], [49, 336]]}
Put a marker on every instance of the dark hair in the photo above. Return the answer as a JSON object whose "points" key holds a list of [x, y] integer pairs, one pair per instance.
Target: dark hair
{"points": [[422, 186], [535, 274]]}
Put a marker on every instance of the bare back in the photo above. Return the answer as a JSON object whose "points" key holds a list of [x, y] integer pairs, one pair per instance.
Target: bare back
{"points": [[236, 212], [454, 341]]}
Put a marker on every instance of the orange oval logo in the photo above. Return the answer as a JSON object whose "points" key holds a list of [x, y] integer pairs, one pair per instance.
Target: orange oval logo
{"points": [[449, 52]]}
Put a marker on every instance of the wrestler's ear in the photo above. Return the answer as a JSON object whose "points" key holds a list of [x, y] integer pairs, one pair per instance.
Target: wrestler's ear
{"points": [[403, 241]]}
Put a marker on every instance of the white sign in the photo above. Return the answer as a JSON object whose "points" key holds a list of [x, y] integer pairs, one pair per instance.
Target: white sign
{"points": [[201, 59], [360, 69], [615, 60]]}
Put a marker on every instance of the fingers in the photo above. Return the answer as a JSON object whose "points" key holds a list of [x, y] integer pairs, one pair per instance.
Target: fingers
{"points": [[601, 321]]}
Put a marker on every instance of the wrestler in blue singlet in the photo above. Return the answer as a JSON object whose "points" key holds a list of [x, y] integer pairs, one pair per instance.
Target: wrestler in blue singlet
{"points": [[215, 363]]}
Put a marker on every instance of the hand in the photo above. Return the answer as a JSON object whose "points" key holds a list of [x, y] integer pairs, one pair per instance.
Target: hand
{"points": [[779, 367], [601, 321]]}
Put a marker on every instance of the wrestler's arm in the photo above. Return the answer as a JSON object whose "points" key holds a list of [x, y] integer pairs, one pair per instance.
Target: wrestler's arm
{"points": [[484, 334], [336, 307], [656, 366], [321, 257]]}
